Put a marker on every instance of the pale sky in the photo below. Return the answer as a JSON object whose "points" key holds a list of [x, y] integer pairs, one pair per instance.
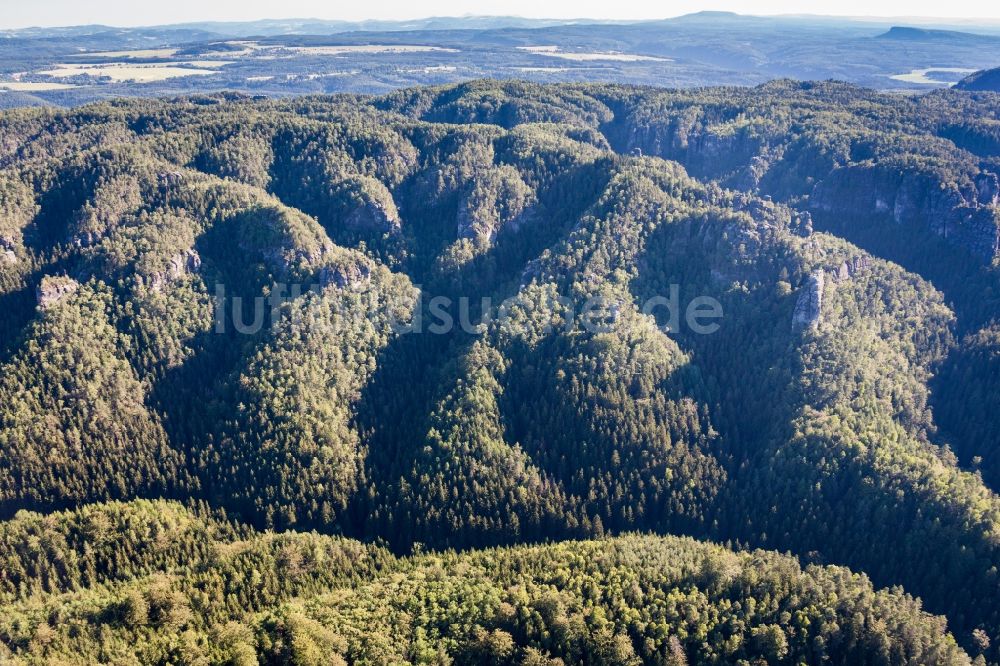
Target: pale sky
{"points": [[24, 13]]}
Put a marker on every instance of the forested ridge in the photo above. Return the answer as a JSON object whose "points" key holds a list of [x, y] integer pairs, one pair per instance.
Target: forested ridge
{"points": [[337, 481]]}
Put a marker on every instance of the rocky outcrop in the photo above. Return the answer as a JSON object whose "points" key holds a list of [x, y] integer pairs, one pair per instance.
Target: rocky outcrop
{"points": [[988, 189], [7, 250], [963, 216], [486, 227], [525, 218], [283, 260], [367, 205], [850, 268], [295, 248], [960, 204], [704, 151], [977, 230], [466, 223], [802, 224], [498, 200], [809, 306], [374, 216], [288, 242], [86, 239], [346, 276], [53, 289], [168, 178], [183, 263]]}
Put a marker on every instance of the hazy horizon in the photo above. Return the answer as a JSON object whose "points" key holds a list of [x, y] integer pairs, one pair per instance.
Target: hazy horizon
{"points": [[118, 13]]}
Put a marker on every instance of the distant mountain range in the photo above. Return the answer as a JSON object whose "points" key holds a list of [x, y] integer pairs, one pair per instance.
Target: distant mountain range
{"points": [[924, 34], [316, 26], [278, 58], [313, 26]]}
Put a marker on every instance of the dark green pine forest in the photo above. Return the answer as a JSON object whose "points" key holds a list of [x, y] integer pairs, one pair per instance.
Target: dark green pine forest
{"points": [[229, 435]]}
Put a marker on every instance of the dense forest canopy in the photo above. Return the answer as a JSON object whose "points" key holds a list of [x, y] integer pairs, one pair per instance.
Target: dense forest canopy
{"points": [[236, 427]]}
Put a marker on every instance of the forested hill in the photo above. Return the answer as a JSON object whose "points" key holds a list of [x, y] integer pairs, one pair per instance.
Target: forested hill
{"points": [[985, 80], [200, 591], [235, 426]]}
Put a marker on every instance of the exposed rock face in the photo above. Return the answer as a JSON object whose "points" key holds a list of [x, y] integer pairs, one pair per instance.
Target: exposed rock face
{"points": [[809, 306], [977, 230], [7, 254], [465, 222], [527, 217], [802, 224], [85, 239], [374, 216], [965, 217], [167, 178], [345, 276], [988, 188], [499, 200], [186, 262], [288, 242], [851, 267], [53, 289], [181, 264], [294, 263], [701, 151], [487, 227], [283, 259]]}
